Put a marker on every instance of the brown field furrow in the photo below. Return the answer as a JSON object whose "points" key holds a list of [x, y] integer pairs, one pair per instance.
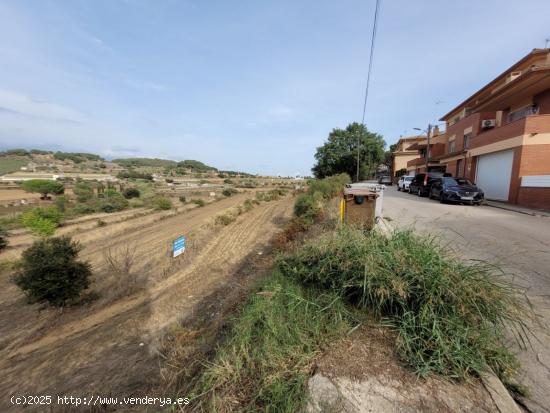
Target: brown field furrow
{"points": [[96, 347]]}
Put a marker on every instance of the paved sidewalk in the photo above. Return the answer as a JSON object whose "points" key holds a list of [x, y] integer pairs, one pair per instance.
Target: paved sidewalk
{"points": [[516, 208]]}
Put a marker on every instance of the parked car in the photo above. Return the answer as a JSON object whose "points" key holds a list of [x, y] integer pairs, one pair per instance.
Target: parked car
{"points": [[404, 182], [385, 180], [422, 183], [448, 189]]}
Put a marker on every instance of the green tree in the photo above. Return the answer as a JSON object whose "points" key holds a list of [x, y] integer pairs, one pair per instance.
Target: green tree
{"points": [[49, 271], [339, 153], [44, 187]]}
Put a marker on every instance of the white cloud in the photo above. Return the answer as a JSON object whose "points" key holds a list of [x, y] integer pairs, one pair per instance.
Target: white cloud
{"points": [[23, 105]]}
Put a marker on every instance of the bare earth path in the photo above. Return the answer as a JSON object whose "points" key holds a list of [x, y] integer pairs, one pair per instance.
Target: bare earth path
{"points": [[519, 243], [111, 348]]}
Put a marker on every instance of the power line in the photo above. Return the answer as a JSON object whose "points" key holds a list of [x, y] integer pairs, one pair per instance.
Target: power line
{"points": [[371, 58]]}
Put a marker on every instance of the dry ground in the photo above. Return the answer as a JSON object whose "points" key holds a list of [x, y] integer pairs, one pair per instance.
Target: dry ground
{"points": [[109, 346]]}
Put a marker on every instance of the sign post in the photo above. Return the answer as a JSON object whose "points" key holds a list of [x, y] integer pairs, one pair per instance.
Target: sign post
{"points": [[178, 246]]}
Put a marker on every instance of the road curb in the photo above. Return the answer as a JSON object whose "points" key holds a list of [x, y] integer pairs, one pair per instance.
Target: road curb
{"points": [[519, 211]]}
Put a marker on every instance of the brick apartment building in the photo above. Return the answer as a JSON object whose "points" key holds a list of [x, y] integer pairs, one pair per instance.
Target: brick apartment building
{"points": [[437, 149], [500, 136], [403, 154]]}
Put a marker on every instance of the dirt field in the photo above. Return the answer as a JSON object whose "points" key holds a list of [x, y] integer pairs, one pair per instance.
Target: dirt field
{"points": [[110, 345]]}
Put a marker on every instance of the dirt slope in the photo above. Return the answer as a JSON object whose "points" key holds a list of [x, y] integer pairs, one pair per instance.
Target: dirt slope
{"points": [[110, 348]]}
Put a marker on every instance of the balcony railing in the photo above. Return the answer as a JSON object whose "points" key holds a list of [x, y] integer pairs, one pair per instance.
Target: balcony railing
{"points": [[523, 126], [417, 162]]}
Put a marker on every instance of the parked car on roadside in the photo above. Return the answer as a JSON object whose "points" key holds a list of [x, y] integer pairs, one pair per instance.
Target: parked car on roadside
{"points": [[385, 180], [404, 182], [460, 190], [422, 183]]}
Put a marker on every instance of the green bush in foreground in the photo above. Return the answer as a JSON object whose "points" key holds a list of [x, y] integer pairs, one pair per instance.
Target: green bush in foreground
{"points": [[42, 220], [450, 315], [265, 362], [49, 271]]}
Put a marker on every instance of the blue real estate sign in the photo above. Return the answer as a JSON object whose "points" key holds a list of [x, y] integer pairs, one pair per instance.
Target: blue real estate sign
{"points": [[178, 246]]}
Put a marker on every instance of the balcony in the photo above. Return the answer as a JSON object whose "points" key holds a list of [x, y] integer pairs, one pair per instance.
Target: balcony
{"points": [[416, 162], [533, 124]]}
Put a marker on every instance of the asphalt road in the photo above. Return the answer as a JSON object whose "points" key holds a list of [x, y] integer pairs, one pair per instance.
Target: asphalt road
{"points": [[519, 243]]}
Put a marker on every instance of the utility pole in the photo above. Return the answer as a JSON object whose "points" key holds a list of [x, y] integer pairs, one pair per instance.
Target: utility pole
{"points": [[429, 132], [358, 155]]}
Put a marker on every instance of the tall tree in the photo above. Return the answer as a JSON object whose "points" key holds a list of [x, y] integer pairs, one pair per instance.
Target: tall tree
{"points": [[339, 153], [43, 186]]}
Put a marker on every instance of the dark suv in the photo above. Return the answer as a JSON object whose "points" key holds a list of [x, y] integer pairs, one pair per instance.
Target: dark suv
{"points": [[422, 183], [456, 190]]}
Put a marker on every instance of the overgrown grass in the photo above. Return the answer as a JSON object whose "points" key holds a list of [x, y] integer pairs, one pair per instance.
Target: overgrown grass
{"points": [[266, 359], [450, 314]]}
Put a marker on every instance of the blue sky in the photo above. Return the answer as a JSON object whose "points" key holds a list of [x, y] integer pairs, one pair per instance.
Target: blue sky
{"points": [[246, 85]]}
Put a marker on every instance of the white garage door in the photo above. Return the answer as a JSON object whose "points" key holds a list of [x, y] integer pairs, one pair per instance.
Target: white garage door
{"points": [[493, 174]]}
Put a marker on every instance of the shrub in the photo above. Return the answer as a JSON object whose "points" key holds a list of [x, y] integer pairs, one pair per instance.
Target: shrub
{"points": [[134, 175], [112, 202], [248, 205], [42, 220], [182, 199], [162, 203], [83, 191], [61, 203], [84, 208], [308, 206], [101, 223], [330, 186], [450, 316], [131, 193], [3, 238], [198, 202], [229, 191], [136, 203], [225, 219], [49, 271]]}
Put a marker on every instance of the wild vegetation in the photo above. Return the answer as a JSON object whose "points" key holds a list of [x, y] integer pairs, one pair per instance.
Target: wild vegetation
{"points": [[77, 157], [42, 220], [449, 315], [50, 272]]}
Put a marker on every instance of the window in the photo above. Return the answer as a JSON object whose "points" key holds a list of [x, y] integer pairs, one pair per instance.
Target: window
{"points": [[467, 139], [460, 168], [452, 146]]}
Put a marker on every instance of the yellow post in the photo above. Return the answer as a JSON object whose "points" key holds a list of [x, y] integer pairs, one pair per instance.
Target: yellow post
{"points": [[342, 209]]}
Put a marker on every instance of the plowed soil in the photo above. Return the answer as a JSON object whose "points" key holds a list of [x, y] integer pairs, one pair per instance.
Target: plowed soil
{"points": [[109, 346]]}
